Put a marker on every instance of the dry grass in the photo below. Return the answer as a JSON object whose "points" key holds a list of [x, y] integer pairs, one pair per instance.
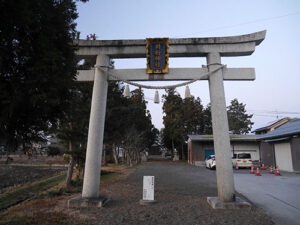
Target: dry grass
{"points": [[28, 191], [49, 203]]}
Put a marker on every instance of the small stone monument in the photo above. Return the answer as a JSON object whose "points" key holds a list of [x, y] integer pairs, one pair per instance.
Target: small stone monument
{"points": [[144, 156], [176, 157], [148, 191]]}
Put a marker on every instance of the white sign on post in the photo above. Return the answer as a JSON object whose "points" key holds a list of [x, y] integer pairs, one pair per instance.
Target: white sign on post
{"points": [[148, 188]]}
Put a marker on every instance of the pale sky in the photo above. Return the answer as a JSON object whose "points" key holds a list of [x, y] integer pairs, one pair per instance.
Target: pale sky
{"points": [[276, 60]]}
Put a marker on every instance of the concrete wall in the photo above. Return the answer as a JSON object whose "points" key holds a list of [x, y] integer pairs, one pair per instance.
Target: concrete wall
{"points": [[267, 153], [295, 149], [251, 147], [288, 154]]}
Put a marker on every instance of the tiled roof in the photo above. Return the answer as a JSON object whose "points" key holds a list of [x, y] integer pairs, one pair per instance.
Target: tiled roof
{"points": [[261, 129], [289, 129], [270, 125], [233, 137]]}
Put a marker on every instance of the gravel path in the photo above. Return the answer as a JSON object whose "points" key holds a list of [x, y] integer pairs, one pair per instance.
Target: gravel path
{"points": [[181, 192]]}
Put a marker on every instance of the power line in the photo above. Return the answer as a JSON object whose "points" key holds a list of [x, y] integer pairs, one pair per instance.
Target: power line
{"points": [[273, 112], [266, 115], [241, 24]]}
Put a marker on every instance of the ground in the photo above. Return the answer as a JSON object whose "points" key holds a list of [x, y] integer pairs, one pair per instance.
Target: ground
{"points": [[278, 195], [180, 189], [181, 192]]}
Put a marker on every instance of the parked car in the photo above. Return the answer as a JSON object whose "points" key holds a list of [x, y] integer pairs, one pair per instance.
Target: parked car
{"points": [[242, 160], [210, 162]]}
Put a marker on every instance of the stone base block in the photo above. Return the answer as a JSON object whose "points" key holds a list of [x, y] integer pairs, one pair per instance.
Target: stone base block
{"points": [[147, 202], [239, 203], [79, 202]]}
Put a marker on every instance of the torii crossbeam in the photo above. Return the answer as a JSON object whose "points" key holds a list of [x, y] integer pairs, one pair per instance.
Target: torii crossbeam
{"points": [[213, 49]]}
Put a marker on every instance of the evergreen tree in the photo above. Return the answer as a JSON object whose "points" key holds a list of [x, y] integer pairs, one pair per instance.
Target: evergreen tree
{"points": [[207, 120], [73, 126], [239, 121], [139, 121], [37, 66], [116, 118], [173, 120], [192, 116], [128, 118], [182, 117]]}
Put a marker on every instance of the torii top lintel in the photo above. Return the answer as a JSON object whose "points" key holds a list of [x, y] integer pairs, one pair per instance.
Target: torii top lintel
{"points": [[179, 47]]}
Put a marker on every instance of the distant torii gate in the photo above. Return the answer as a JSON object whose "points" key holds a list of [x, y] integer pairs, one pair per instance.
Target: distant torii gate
{"points": [[211, 48]]}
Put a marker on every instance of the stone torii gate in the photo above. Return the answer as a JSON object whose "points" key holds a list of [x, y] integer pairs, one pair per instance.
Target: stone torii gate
{"points": [[213, 49]]}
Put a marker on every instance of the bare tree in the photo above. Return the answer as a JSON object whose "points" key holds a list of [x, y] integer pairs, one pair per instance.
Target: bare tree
{"points": [[133, 145]]}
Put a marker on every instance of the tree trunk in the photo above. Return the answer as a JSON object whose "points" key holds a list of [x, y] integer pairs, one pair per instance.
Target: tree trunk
{"points": [[115, 154], [182, 152], [124, 156], [80, 172], [172, 148], [139, 157], [134, 157], [104, 156], [70, 168], [129, 158], [138, 153]]}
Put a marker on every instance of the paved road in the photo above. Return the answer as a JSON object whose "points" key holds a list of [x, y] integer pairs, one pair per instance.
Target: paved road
{"points": [[278, 195]]}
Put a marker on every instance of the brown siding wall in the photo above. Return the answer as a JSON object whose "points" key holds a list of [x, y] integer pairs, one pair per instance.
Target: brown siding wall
{"points": [[267, 153], [295, 149], [196, 151], [199, 150]]}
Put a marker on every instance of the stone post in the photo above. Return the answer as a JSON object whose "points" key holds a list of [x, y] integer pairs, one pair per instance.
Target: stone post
{"points": [[91, 181], [224, 169]]}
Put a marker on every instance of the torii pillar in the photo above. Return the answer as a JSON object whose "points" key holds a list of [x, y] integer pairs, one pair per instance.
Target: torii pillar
{"points": [[226, 192], [211, 48], [96, 130]]}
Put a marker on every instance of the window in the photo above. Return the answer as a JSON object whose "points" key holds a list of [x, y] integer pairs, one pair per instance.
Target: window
{"points": [[244, 156]]}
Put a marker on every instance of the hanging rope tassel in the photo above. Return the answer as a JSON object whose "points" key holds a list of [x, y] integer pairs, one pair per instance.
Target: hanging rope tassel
{"points": [[187, 92], [156, 97], [127, 91]]}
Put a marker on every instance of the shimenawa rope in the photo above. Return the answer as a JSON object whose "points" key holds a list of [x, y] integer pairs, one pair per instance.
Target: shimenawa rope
{"points": [[161, 87]]}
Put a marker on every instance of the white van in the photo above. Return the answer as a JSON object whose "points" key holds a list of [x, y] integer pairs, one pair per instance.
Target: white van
{"points": [[242, 159]]}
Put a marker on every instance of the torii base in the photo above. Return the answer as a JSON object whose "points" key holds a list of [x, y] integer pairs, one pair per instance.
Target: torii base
{"points": [[147, 202], [239, 203], [79, 202]]}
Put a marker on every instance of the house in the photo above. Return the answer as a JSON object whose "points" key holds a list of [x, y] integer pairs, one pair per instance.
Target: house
{"points": [[272, 126], [201, 146], [281, 147]]}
